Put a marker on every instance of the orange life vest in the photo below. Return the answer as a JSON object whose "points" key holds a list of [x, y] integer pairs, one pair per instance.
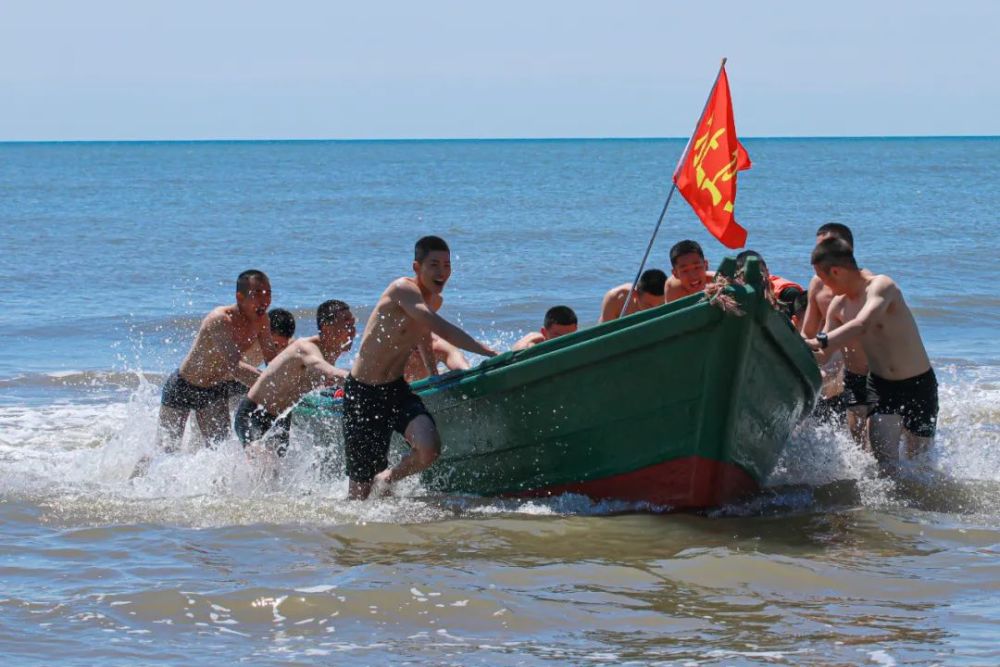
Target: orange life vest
{"points": [[779, 284]]}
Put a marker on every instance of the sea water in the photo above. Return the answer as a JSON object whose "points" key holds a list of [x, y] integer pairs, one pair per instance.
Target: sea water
{"points": [[110, 254]]}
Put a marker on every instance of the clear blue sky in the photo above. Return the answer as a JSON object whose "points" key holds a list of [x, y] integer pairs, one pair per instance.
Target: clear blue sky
{"points": [[371, 69]]}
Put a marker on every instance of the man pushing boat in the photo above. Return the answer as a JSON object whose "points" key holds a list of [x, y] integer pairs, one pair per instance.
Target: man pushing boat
{"points": [[648, 293], [201, 383], [902, 386], [377, 399], [845, 379], [306, 364]]}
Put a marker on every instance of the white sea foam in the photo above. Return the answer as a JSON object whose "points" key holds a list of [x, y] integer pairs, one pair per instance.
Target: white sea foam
{"points": [[81, 457]]}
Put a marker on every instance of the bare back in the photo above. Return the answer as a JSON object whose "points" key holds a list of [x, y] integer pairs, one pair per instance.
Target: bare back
{"points": [[889, 336], [223, 337], [611, 305], [298, 369]]}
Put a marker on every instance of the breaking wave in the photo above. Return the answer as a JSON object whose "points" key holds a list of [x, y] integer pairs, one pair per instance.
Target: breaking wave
{"points": [[77, 459]]}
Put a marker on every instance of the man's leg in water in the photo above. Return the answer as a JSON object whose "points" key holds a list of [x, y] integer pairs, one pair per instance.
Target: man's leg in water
{"points": [[425, 447], [915, 444], [172, 422], [358, 490], [884, 432], [857, 422], [213, 421]]}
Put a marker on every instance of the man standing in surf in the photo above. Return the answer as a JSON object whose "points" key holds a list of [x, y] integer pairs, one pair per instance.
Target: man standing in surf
{"points": [[200, 384], [377, 399], [901, 383]]}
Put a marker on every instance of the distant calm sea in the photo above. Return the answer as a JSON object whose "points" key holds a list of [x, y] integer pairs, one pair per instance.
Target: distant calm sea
{"points": [[110, 253]]}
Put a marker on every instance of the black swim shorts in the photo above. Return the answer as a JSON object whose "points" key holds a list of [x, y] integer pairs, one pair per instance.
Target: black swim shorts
{"points": [[180, 394], [914, 399], [252, 423], [234, 388], [832, 409], [856, 390], [370, 414]]}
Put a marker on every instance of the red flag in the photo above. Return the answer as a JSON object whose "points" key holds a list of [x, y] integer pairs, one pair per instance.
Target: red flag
{"points": [[707, 176]]}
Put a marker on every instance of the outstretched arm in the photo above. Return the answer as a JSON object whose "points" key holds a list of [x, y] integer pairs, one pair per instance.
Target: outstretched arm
{"points": [[322, 372], [812, 320], [426, 351], [881, 292], [833, 321], [410, 300]]}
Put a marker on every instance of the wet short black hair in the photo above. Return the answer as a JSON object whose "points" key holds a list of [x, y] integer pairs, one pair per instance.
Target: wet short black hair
{"points": [[651, 282], [685, 247], [837, 230], [833, 252], [426, 245], [741, 259], [563, 315], [244, 279], [328, 312], [282, 322]]}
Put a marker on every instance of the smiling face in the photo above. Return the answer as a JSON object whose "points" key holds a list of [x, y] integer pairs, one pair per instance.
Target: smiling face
{"points": [[254, 304], [433, 272], [690, 269]]}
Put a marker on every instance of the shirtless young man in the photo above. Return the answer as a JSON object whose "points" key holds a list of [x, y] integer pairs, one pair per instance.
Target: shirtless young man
{"points": [[377, 399], [648, 294], [282, 330], [215, 358], [306, 364], [559, 321], [444, 353], [870, 309], [845, 376], [688, 271]]}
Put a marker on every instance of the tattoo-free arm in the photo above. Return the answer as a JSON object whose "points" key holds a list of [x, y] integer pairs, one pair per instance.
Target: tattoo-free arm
{"points": [[812, 320], [321, 371], [409, 299], [426, 351]]}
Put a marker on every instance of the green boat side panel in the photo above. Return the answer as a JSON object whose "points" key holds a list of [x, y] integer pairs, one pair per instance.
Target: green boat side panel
{"points": [[681, 380]]}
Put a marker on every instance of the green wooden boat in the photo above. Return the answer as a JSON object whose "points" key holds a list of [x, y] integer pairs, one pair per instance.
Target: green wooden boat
{"points": [[680, 406]]}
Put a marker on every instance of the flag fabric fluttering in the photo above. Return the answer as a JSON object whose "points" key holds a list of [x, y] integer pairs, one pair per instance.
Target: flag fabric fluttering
{"points": [[707, 175]]}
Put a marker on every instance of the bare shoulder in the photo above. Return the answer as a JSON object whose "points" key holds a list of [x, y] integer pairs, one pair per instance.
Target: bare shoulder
{"points": [[618, 292], [815, 285], [882, 285], [534, 338], [401, 288], [307, 347], [219, 316]]}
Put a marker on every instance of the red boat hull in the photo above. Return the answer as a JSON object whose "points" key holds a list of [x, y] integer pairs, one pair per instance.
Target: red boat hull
{"points": [[687, 483]]}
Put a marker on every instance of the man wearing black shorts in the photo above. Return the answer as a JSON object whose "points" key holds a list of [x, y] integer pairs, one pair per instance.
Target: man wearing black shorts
{"points": [[377, 400], [901, 382], [215, 358]]}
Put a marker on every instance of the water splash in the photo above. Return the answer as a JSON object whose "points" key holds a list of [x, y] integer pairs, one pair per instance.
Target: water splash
{"points": [[77, 460]]}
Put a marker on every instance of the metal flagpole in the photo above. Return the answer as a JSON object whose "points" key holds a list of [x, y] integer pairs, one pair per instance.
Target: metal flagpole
{"points": [[673, 186]]}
